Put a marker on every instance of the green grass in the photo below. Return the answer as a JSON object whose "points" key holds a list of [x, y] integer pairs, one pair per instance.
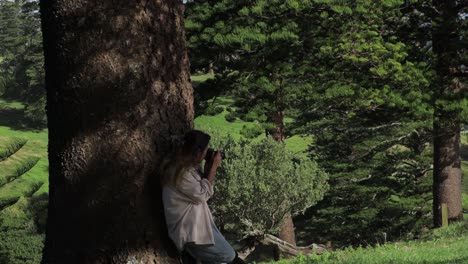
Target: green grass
{"points": [[464, 139], [10, 147], [218, 123], [445, 245], [11, 104], [24, 187], [197, 79]]}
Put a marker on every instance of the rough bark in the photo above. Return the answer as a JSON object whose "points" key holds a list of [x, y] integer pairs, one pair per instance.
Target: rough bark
{"points": [[118, 92], [277, 133], [447, 171], [287, 230]]}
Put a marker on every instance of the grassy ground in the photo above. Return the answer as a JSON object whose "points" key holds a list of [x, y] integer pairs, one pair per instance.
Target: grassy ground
{"points": [[24, 188], [447, 245], [219, 124], [197, 79], [36, 146]]}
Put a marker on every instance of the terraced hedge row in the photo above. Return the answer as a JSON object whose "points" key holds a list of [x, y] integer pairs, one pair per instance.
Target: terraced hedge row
{"points": [[23, 200]]}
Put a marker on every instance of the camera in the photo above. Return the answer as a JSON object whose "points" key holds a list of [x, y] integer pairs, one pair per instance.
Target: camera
{"points": [[210, 152]]}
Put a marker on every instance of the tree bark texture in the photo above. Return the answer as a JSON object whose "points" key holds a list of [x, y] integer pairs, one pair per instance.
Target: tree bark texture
{"points": [[277, 132], [118, 94], [447, 165], [287, 230], [447, 171]]}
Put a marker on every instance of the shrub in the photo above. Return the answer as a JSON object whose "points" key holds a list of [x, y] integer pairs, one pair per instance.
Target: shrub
{"points": [[12, 148], [26, 166], [6, 81], [251, 117], [20, 247], [22, 169], [36, 112], [230, 117], [214, 110], [251, 132], [259, 183]]}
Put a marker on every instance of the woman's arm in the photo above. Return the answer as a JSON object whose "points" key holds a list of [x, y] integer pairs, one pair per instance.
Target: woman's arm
{"points": [[195, 188], [211, 166]]}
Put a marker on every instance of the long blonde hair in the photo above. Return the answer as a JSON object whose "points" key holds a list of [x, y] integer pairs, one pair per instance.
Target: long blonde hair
{"points": [[175, 166]]}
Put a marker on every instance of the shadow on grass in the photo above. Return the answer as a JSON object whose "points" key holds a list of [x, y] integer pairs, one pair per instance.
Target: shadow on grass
{"points": [[464, 152], [15, 119], [37, 207]]}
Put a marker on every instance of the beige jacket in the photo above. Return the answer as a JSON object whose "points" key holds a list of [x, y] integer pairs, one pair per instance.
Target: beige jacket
{"points": [[188, 217]]}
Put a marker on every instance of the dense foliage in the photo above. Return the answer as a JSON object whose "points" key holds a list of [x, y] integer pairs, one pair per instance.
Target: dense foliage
{"points": [[256, 49], [356, 76], [21, 57], [369, 109], [259, 183]]}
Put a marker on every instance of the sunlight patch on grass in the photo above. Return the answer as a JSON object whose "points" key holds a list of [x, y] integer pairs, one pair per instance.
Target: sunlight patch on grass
{"points": [[219, 124], [11, 104]]}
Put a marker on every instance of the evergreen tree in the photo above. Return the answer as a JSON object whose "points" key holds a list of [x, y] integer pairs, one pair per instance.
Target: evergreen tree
{"points": [[10, 46], [368, 108], [22, 64], [256, 48]]}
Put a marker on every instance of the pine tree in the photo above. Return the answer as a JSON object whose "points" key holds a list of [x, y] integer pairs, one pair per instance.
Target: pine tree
{"points": [[22, 64], [11, 44], [257, 49], [368, 108]]}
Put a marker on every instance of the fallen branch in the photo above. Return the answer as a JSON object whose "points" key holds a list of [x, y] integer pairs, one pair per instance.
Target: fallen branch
{"points": [[284, 248]]}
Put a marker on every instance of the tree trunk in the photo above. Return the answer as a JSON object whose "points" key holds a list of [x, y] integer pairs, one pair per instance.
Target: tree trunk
{"points": [[118, 91], [287, 230], [287, 227], [277, 118], [447, 171]]}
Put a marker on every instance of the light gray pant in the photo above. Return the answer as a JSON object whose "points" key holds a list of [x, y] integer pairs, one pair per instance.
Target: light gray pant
{"points": [[220, 252]]}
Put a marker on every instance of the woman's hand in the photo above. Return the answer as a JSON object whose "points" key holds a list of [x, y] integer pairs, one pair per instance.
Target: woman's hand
{"points": [[212, 165], [216, 159]]}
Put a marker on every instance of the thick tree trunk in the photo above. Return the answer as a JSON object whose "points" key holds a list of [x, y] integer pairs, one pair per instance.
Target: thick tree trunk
{"points": [[118, 91], [447, 171]]}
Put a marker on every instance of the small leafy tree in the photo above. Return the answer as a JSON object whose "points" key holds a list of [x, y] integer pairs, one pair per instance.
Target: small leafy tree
{"points": [[259, 183]]}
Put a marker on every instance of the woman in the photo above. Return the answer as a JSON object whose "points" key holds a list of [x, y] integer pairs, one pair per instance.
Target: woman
{"points": [[186, 191]]}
